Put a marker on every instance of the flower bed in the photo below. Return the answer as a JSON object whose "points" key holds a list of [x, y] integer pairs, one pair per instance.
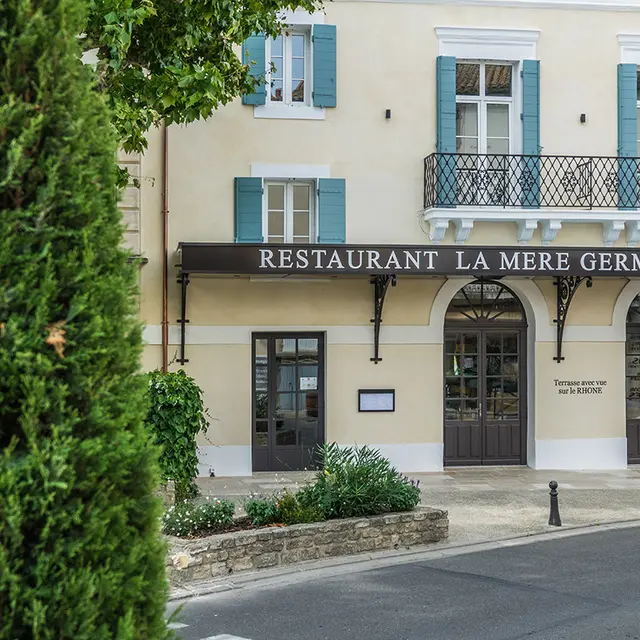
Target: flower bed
{"points": [[354, 482], [227, 553], [358, 503]]}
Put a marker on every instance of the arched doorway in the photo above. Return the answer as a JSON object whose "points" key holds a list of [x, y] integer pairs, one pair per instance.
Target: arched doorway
{"points": [[485, 413], [632, 373]]}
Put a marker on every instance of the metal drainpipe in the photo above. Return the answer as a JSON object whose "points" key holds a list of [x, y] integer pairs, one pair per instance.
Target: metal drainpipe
{"points": [[165, 248]]}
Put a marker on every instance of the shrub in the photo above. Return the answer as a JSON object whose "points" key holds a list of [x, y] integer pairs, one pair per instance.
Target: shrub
{"points": [[281, 508], [292, 511], [358, 482], [190, 519], [175, 417], [80, 552], [262, 511]]}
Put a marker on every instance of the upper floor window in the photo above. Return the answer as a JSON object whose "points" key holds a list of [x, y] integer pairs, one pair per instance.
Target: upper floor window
{"points": [[288, 58], [290, 212], [484, 107]]}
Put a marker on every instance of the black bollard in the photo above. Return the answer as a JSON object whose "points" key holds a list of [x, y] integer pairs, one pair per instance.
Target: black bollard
{"points": [[554, 514]]}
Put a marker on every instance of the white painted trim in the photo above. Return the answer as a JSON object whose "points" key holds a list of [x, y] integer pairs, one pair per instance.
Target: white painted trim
{"points": [[550, 220], [299, 16], [226, 460], [621, 307], [499, 214], [587, 5], [290, 171], [629, 48], [241, 335], [288, 111], [416, 457], [588, 454], [363, 335], [476, 43]]}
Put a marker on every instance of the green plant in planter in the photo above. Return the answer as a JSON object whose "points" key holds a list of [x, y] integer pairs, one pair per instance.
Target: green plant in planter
{"points": [[358, 481], [281, 508], [176, 415]]}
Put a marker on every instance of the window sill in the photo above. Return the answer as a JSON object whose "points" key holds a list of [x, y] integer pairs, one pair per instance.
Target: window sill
{"points": [[288, 112]]}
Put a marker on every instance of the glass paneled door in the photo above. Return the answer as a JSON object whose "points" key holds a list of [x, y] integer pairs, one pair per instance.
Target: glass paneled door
{"points": [[632, 365], [288, 401], [484, 370]]}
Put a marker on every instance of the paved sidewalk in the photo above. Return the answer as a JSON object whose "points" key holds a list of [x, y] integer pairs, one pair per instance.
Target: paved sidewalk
{"points": [[488, 503]]}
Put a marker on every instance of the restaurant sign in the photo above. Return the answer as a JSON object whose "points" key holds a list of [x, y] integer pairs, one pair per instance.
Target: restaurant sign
{"points": [[268, 259]]}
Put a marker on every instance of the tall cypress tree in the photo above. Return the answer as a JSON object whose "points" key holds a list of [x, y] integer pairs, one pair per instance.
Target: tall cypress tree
{"points": [[80, 552]]}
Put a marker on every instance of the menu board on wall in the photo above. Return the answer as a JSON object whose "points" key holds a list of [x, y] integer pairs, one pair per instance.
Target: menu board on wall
{"points": [[376, 400]]}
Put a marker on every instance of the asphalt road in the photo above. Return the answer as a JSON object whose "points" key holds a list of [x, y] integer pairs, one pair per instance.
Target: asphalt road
{"points": [[584, 587]]}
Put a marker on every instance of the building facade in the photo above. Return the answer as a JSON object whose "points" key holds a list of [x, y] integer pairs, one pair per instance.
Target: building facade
{"points": [[420, 233]]}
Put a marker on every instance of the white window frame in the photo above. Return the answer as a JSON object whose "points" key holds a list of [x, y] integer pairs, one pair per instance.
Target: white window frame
{"points": [[297, 19], [287, 55], [484, 101], [288, 208]]}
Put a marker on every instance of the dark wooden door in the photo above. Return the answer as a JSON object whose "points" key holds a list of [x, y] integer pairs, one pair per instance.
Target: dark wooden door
{"points": [[632, 363], [485, 414], [288, 401], [485, 417]]}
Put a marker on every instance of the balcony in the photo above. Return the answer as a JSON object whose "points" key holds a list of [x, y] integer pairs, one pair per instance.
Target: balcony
{"points": [[532, 190]]}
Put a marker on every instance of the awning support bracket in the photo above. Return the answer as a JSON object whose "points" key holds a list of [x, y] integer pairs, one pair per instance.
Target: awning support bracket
{"points": [[380, 285], [183, 280], [566, 286]]}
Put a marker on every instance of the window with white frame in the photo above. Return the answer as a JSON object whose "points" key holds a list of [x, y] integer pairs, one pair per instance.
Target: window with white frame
{"points": [[288, 65], [290, 211], [484, 107]]}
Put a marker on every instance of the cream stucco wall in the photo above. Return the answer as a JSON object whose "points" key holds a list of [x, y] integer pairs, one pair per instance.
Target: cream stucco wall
{"points": [[590, 306], [382, 159], [579, 415], [414, 371]]}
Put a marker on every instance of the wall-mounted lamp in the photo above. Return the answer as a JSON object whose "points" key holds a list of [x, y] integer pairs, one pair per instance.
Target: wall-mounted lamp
{"points": [[583, 118], [387, 114]]}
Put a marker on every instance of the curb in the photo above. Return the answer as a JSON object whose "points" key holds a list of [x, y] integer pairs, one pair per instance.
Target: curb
{"points": [[367, 561]]}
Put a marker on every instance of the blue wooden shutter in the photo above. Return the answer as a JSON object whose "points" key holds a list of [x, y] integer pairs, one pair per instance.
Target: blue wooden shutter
{"points": [[446, 129], [324, 65], [627, 135], [248, 209], [332, 211], [254, 54], [530, 178]]}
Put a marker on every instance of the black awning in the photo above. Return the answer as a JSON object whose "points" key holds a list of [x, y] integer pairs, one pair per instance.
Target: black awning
{"points": [[435, 260]]}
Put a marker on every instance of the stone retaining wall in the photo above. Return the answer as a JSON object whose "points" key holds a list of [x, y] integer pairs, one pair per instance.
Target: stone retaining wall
{"points": [[227, 553]]}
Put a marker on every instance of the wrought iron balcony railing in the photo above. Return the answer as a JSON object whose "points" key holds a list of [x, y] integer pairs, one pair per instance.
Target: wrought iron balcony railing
{"points": [[531, 182]]}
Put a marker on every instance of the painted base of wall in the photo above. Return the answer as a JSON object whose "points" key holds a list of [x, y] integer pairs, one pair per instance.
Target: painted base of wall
{"points": [[415, 457], [226, 460], [235, 460], [582, 454], [572, 455]]}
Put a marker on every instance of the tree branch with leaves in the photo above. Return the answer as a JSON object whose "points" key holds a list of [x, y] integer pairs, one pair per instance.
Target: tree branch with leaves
{"points": [[175, 61]]}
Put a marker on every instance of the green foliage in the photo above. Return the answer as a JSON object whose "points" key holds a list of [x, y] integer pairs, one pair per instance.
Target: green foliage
{"points": [[174, 61], [358, 482], [292, 511], [281, 508], [262, 511], [176, 415], [80, 552], [190, 519]]}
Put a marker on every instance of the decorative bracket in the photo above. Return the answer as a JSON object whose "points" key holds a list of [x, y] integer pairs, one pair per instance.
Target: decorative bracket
{"points": [[463, 228], [380, 286], [566, 288], [183, 280]]}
